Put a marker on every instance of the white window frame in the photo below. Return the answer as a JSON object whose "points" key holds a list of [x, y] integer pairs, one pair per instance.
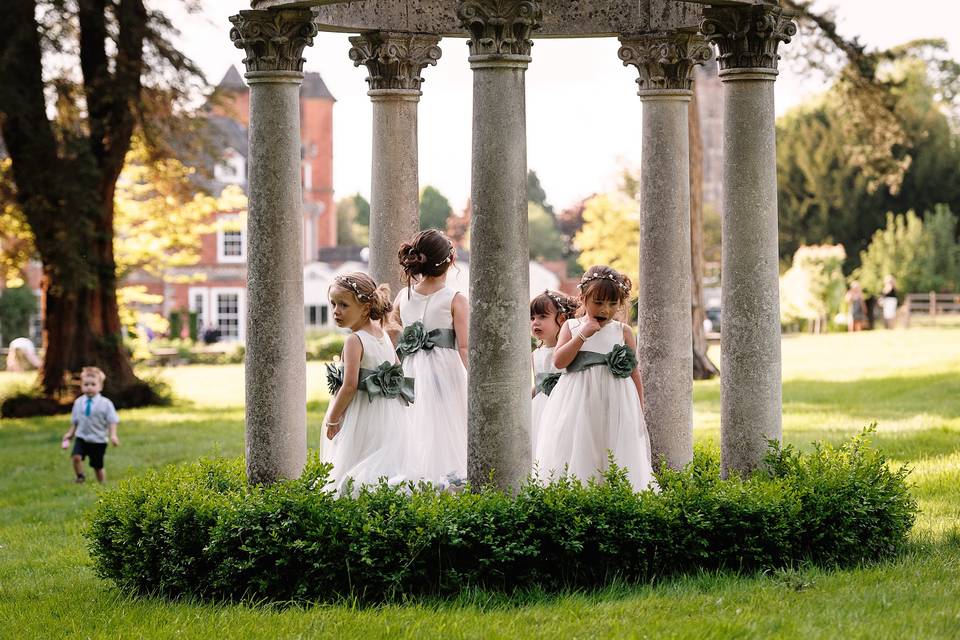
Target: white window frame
{"points": [[221, 239], [204, 310], [215, 293]]}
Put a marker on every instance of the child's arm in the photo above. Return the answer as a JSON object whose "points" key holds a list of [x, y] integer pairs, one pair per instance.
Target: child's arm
{"points": [[461, 321], [114, 440], [74, 421], [394, 326], [352, 352], [533, 391], [569, 343], [631, 342]]}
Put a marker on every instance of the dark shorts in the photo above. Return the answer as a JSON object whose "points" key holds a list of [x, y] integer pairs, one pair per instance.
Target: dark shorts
{"points": [[92, 450]]}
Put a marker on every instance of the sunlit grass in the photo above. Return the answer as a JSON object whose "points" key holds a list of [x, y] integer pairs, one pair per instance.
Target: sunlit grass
{"points": [[906, 381]]}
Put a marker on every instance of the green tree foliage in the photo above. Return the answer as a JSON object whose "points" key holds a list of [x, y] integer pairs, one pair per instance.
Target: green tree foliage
{"points": [[77, 80], [16, 306], [812, 288], [826, 192], [922, 254], [363, 210], [536, 194], [435, 209], [546, 243], [610, 234]]}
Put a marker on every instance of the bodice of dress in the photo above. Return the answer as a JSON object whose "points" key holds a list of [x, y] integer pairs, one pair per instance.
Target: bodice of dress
{"points": [[604, 340], [432, 309], [543, 360], [375, 350]]}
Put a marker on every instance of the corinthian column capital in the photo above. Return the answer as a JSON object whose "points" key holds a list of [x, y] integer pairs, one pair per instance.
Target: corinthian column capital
{"points": [[273, 40], [747, 37], [394, 60], [665, 61], [500, 28]]}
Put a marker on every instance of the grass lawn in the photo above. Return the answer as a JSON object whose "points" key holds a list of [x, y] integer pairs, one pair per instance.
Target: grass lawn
{"points": [[908, 381]]}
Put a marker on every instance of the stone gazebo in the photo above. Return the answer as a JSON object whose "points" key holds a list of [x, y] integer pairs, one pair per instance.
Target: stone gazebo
{"points": [[396, 40]]}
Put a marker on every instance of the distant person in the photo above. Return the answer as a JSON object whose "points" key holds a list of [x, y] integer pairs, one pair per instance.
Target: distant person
{"points": [[22, 355], [94, 420], [888, 301], [211, 334], [858, 307]]}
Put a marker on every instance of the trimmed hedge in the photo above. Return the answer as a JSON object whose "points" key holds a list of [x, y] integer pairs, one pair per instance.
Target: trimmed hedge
{"points": [[199, 530]]}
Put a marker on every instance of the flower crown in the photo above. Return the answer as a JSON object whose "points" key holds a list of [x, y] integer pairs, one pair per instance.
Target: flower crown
{"points": [[563, 306], [448, 258], [603, 276], [344, 281]]}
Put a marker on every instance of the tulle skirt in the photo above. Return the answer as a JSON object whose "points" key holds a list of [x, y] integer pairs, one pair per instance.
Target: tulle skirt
{"points": [[373, 443], [589, 414], [537, 406], [438, 418]]}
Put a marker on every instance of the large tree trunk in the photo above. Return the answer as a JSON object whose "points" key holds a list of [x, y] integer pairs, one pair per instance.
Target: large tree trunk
{"points": [[65, 186], [703, 368]]}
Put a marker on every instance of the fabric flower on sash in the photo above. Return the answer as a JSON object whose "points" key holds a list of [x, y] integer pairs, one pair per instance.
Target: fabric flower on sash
{"points": [[388, 381], [334, 377], [416, 337], [547, 381], [621, 361]]}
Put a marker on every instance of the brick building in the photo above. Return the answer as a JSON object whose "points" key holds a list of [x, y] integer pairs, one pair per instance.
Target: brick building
{"points": [[215, 287]]}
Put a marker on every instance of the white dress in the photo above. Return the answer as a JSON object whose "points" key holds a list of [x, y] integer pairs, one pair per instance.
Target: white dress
{"points": [[373, 441], [542, 363], [439, 415], [591, 412]]}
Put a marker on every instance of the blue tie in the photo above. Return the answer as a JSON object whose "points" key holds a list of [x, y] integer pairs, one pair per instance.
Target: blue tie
{"points": [[89, 402]]}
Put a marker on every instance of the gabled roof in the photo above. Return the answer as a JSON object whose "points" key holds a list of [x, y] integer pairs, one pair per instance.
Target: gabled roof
{"points": [[314, 87], [232, 80]]}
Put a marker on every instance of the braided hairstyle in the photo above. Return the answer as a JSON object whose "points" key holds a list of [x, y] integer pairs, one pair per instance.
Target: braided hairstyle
{"points": [[429, 254]]}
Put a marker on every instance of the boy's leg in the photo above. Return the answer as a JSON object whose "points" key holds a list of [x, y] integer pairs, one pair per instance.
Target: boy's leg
{"points": [[101, 475], [78, 467], [97, 450]]}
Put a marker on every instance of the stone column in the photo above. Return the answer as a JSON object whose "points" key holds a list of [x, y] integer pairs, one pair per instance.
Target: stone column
{"points": [[276, 433], [394, 62], [499, 385], [750, 393], [665, 62]]}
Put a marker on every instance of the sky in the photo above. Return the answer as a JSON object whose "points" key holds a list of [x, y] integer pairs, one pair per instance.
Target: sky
{"points": [[583, 114]]}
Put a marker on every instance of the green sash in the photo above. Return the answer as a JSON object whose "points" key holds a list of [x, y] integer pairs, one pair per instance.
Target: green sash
{"points": [[621, 361], [415, 337], [387, 380], [545, 382]]}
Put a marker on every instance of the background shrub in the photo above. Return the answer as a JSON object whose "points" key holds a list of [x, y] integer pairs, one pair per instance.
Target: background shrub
{"points": [[200, 530]]}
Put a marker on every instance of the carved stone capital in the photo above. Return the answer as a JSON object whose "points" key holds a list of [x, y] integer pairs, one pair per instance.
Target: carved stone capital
{"points": [[747, 37], [500, 28], [394, 60], [273, 40], [665, 61]]}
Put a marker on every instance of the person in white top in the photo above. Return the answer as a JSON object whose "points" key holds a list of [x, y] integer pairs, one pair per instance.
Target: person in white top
{"points": [[548, 312], [433, 347], [596, 407], [367, 423], [93, 421]]}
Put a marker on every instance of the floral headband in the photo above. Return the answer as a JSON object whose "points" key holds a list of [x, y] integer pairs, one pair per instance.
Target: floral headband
{"points": [[447, 259], [343, 281], [603, 276], [562, 306]]}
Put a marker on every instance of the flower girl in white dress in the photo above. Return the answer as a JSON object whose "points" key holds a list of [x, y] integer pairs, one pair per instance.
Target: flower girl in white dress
{"points": [[433, 347], [597, 405], [368, 421], [548, 312]]}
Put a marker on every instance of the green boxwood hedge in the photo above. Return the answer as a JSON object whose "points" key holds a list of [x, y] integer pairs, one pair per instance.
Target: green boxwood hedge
{"points": [[199, 530]]}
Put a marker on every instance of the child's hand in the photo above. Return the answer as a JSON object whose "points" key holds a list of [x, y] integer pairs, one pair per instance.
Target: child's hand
{"points": [[65, 443], [333, 430], [589, 327], [115, 441]]}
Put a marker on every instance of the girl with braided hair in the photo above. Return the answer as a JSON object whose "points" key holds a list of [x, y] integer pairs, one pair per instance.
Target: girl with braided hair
{"points": [[433, 347], [596, 407], [548, 312], [368, 420]]}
